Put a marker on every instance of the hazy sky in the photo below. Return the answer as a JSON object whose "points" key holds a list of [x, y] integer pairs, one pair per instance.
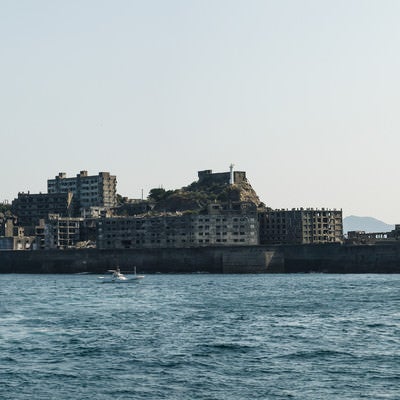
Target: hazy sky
{"points": [[302, 95]]}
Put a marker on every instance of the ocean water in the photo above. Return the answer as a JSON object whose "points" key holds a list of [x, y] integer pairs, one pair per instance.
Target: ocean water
{"points": [[300, 336]]}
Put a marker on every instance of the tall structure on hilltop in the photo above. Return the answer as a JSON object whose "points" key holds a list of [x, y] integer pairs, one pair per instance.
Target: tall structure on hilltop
{"points": [[228, 178], [233, 183], [89, 190], [232, 177]]}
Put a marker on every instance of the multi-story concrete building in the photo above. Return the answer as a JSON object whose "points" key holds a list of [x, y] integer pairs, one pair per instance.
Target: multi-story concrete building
{"points": [[15, 239], [222, 225], [89, 190], [31, 208], [17, 243], [7, 226], [301, 226], [362, 237], [61, 233], [209, 177]]}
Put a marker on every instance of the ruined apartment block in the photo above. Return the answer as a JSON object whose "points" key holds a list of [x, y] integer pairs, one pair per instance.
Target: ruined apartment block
{"points": [[301, 226], [219, 227], [89, 190]]}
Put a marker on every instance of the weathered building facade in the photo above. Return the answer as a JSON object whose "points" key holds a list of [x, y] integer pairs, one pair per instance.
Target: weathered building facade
{"points": [[61, 233], [31, 208], [89, 190], [209, 177], [8, 226], [220, 209], [58, 232], [301, 226], [17, 243], [222, 225]]}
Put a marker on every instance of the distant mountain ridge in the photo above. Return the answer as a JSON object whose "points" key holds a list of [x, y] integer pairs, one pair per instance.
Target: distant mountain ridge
{"points": [[367, 224]]}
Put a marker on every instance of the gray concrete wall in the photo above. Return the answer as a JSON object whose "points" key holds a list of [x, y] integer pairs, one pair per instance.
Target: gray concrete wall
{"points": [[329, 258], [249, 259], [336, 258]]}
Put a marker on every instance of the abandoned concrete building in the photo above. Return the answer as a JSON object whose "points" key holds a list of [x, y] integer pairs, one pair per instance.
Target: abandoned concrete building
{"points": [[31, 208], [83, 209], [17, 243], [209, 177], [301, 226], [56, 232], [61, 233], [221, 225], [362, 237], [89, 190]]}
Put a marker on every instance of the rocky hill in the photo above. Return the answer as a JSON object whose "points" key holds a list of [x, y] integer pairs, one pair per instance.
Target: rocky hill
{"points": [[200, 193]]}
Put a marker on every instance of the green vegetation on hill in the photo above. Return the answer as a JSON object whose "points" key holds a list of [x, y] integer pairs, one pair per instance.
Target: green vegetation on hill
{"points": [[193, 198], [5, 212], [197, 195], [4, 208]]}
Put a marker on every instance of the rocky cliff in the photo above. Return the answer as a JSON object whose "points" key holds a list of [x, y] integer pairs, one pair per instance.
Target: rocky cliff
{"points": [[200, 193]]}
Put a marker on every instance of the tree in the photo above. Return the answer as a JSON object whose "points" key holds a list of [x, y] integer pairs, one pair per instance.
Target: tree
{"points": [[156, 194], [4, 207]]}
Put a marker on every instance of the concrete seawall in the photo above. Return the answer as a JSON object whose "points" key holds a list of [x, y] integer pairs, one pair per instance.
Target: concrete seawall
{"points": [[329, 258], [252, 259], [335, 258]]}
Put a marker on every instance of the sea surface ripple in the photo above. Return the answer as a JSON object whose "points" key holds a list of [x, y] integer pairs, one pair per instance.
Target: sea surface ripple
{"points": [[300, 336]]}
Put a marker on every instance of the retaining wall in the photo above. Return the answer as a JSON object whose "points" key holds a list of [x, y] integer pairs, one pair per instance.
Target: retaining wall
{"points": [[330, 258]]}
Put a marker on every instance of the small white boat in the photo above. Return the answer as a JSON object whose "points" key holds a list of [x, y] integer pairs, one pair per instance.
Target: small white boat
{"points": [[118, 277]]}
